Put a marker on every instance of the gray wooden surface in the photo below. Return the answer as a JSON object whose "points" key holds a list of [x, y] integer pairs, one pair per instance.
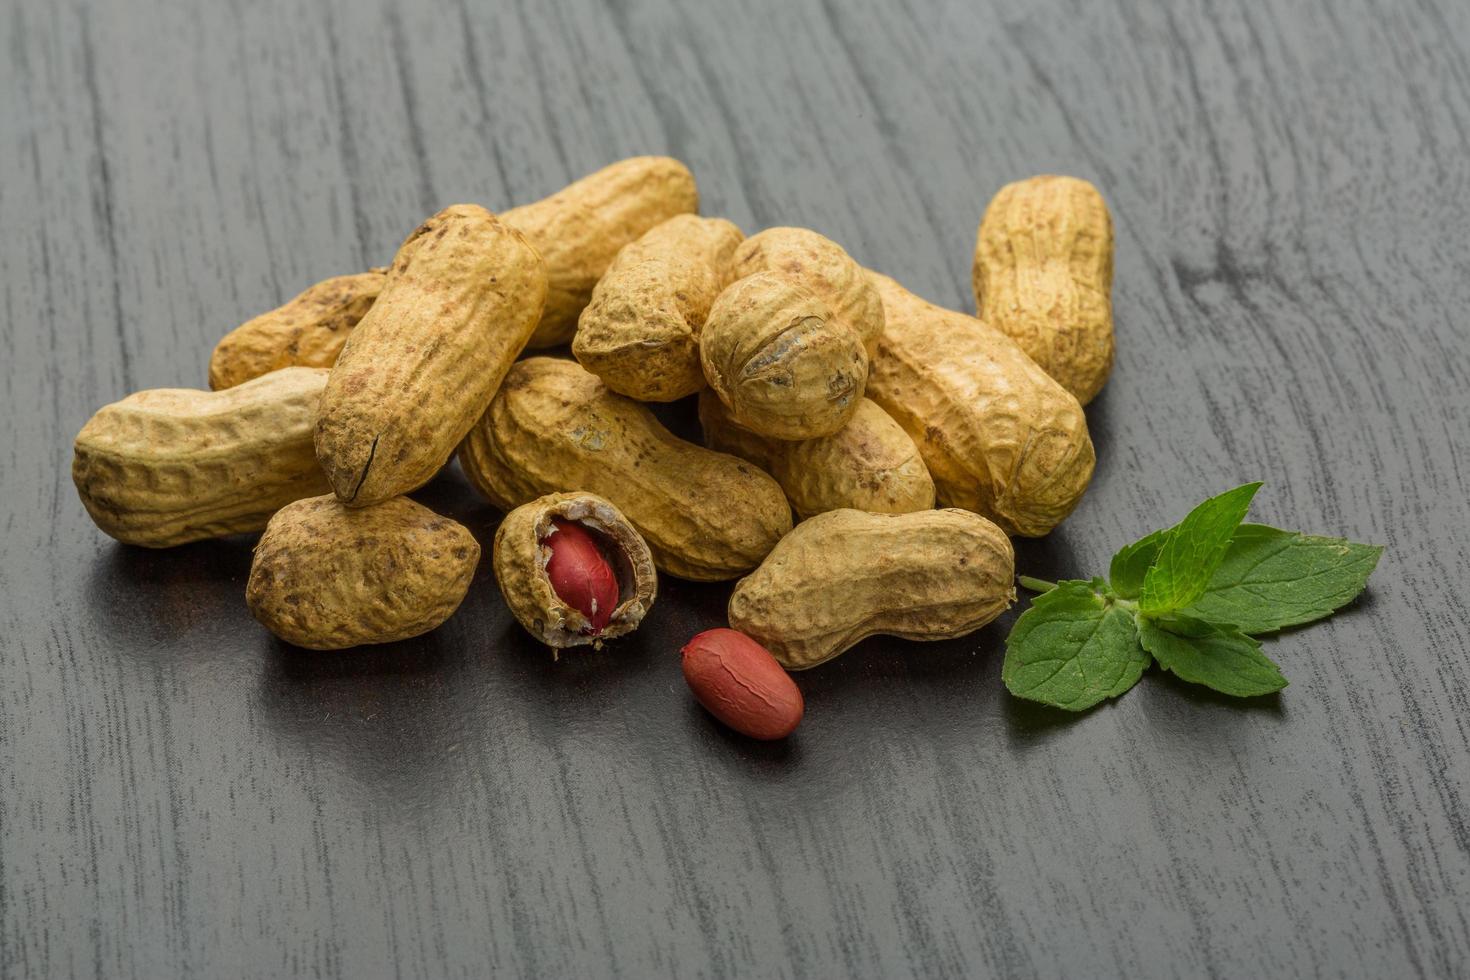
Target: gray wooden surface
{"points": [[180, 795]]}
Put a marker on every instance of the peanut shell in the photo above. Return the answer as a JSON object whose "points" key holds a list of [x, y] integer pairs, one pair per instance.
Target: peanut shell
{"points": [[463, 295], [640, 333], [326, 577], [172, 465], [780, 361], [309, 331], [553, 427], [999, 436], [1043, 275], [520, 567], [579, 229], [846, 575], [822, 266], [868, 464]]}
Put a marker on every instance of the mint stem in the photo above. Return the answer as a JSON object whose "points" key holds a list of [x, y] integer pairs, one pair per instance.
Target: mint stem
{"points": [[1035, 584]]}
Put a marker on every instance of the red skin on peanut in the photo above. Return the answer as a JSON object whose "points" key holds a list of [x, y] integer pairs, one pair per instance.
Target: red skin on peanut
{"points": [[739, 682], [580, 576]]}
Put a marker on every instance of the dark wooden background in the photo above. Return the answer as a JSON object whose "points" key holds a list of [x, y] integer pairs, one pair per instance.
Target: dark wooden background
{"points": [[182, 795]]}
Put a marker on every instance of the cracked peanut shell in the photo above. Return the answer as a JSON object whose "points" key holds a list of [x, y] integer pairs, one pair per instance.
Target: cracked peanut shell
{"points": [[1043, 275], [824, 267], [172, 465], [554, 427], [846, 575], [462, 297], [579, 230], [521, 554], [868, 464], [779, 359], [640, 333], [327, 577], [999, 436], [309, 331]]}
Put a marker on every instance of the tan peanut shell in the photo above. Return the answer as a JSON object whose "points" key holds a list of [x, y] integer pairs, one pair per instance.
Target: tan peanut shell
{"points": [[781, 362], [555, 427], [999, 436], [579, 229], [1043, 276], [520, 567], [309, 331], [822, 266], [463, 295], [640, 333], [172, 465], [326, 577], [868, 464], [846, 575]]}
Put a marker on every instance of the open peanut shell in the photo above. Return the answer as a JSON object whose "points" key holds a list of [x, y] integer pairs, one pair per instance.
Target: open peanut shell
{"points": [[521, 557]]}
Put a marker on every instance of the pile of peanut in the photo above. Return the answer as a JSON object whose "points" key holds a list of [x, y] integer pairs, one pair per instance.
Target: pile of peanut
{"points": [[824, 389]]}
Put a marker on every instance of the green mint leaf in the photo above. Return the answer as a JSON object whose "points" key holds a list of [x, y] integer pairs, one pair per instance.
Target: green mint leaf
{"points": [[1131, 564], [1072, 649], [1217, 656], [1193, 550], [1271, 579]]}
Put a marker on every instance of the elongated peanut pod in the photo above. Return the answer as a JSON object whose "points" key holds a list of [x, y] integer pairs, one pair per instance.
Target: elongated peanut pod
{"points": [[173, 465], [845, 575], [463, 295], [868, 464], [554, 427], [1043, 275], [309, 331], [640, 333], [999, 436]]}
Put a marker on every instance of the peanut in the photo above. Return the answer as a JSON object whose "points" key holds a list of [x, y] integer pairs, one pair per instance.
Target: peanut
{"points": [[868, 464], [999, 436], [463, 295], [640, 333], [555, 427], [573, 570], [779, 359], [846, 575], [328, 577], [1043, 275], [822, 266], [309, 331], [173, 465], [740, 683], [579, 230]]}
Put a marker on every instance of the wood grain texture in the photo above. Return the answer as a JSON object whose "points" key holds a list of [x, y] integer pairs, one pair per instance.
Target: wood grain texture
{"points": [[182, 795]]}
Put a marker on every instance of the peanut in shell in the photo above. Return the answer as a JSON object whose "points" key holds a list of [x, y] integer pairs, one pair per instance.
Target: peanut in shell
{"points": [[868, 464], [822, 266], [779, 359], [1000, 437], [640, 333], [327, 577], [462, 297], [579, 230], [309, 331], [520, 558], [845, 575], [172, 465], [554, 427], [1043, 275]]}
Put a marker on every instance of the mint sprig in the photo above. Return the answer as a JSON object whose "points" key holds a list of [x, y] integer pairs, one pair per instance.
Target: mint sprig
{"points": [[1191, 598]]}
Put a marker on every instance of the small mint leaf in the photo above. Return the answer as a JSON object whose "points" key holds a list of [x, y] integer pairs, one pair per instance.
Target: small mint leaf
{"points": [[1271, 579], [1217, 656], [1072, 649], [1193, 550], [1131, 564]]}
